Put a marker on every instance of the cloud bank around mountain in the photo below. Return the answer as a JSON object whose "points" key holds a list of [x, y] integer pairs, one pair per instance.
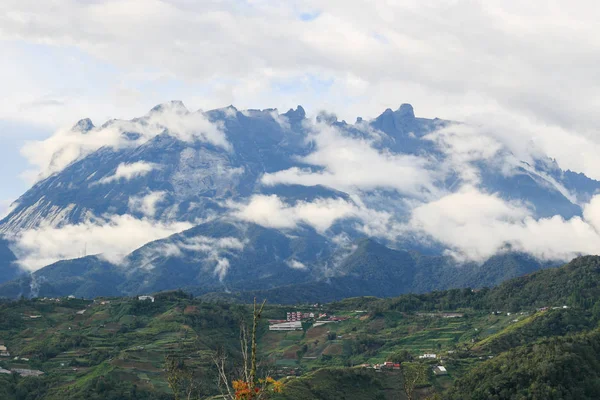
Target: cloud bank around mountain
{"points": [[146, 204], [55, 153], [209, 251], [112, 237], [475, 226], [503, 62], [353, 164], [271, 211]]}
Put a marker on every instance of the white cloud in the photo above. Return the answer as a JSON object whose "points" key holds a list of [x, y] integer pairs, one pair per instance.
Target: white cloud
{"points": [[295, 264], [65, 146], [321, 214], [464, 145], [212, 251], [476, 225], [129, 171], [453, 60], [522, 74], [353, 164], [146, 204], [113, 237], [591, 213], [272, 212]]}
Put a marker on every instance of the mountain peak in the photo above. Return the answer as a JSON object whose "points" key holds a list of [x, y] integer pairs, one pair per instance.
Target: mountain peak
{"points": [[173, 105], [328, 118], [297, 114], [406, 111], [83, 125]]}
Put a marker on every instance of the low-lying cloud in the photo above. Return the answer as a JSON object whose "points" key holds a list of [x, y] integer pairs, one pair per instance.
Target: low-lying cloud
{"points": [[213, 252], [476, 225], [112, 237], [273, 212]]}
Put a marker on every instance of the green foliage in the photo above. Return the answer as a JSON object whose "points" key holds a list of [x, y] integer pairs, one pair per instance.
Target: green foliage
{"points": [[400, 356], [556, 368], [117, 349], [551, 323], [339, 383]]}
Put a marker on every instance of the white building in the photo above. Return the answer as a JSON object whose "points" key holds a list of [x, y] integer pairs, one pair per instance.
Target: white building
{"points": [[428, 355], [286, 326], [440, 370], [151, 298]]}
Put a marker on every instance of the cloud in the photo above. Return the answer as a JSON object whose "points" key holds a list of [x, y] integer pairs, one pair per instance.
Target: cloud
{"points": [[353, 164], [463, 146], [520, 74], [67, 145], [129, 171], [146, 204], [272, 212], [528, 62], [295, 264], [113, 237], [476, 225], [208, 250]]}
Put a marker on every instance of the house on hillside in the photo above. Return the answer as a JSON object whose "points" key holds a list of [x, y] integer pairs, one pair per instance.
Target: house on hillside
{"points": [[143, 298], [440, 370], [428, 356], [453, 315], [4, 351]]}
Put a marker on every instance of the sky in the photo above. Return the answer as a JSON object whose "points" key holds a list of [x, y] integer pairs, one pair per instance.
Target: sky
{"points": [[527, 70]]}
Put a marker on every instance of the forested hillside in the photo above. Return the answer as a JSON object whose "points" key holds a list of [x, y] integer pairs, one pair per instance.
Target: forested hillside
{"points": [[530, 337]]}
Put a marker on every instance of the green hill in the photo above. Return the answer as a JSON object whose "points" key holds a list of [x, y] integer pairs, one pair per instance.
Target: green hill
{"points": [[115, 348], [556, 368]]}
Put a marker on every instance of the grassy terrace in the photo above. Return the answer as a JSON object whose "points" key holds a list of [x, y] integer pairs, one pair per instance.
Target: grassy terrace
{"points": [[128, 339]]}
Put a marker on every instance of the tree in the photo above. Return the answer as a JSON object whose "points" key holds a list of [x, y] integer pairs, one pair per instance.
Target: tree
{"points": [[400, 356], [412, 374], [181, 379], [246, 386]]}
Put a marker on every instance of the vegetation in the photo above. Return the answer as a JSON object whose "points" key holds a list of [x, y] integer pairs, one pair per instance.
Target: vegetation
{"points": [[556, 368], [495, 343]]}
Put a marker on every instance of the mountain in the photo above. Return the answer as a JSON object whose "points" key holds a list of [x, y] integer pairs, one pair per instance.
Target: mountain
{"points": [[273, 201], [195, 174], [8, 268], [236, 261]]}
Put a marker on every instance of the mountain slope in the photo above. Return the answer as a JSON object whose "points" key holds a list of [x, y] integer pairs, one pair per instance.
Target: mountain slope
{"points": [[193, 173], [8, 268], [297, 200], [221, 257], [557, 368]]}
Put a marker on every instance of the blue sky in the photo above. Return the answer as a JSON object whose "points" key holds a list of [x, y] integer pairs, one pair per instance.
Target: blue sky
{"points": [[530, 70]]}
